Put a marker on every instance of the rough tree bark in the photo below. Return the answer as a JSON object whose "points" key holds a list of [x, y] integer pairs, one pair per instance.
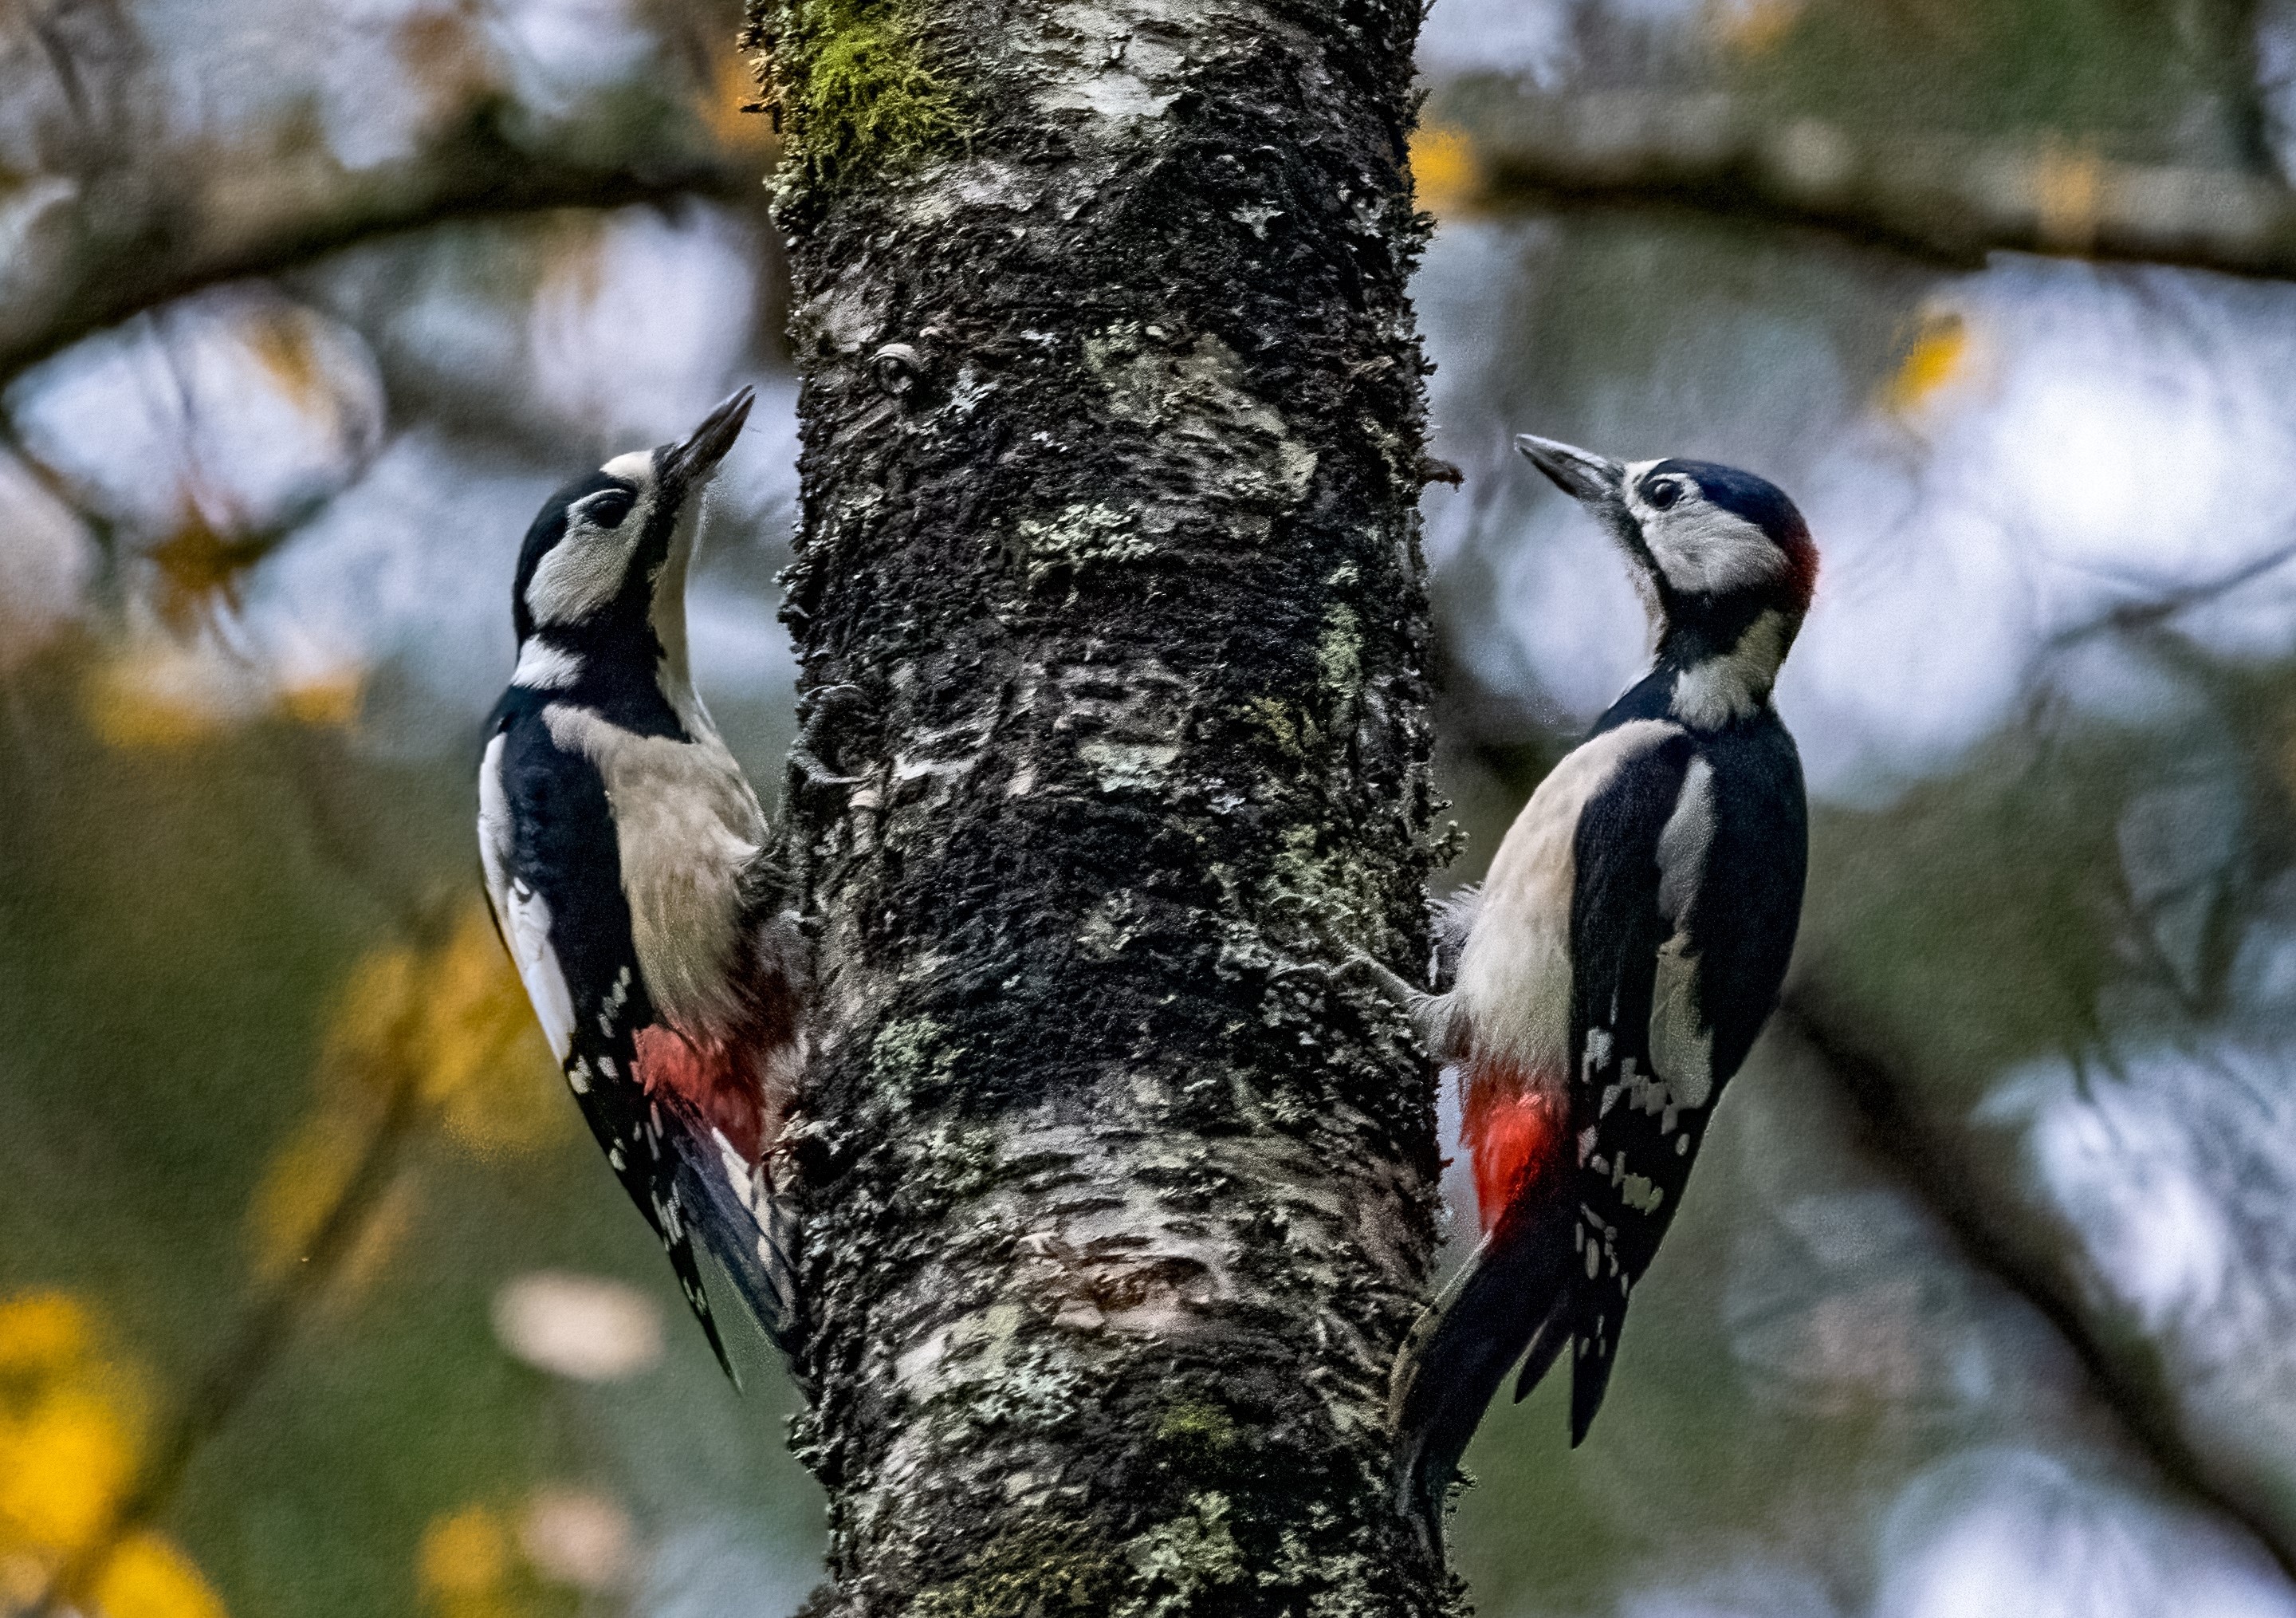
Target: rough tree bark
{"points": [[1111, 616]]}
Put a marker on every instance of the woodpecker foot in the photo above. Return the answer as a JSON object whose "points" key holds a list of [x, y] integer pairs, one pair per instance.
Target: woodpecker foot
{"points": [[1391, 985]]}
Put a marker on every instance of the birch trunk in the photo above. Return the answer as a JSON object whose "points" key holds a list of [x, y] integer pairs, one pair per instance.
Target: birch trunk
{"points": [[1113, 630]]}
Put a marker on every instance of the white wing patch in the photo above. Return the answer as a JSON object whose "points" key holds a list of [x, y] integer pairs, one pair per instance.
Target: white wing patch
{"points": [[1681, 1044], [542, 666], [522, 914]]}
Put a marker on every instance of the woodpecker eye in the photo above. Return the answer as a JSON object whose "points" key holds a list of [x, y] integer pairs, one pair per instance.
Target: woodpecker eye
{"points": [[1662, 493], [606, 508]]}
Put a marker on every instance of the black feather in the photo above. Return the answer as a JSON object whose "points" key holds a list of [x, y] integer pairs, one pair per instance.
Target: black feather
{"points": [[1499, 1304]]}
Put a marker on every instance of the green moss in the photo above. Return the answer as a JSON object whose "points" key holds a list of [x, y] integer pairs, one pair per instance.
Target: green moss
{"points": [[1329, 884], [859, 89], [1273, 717], [1197, 1435], [1042, 1571]]}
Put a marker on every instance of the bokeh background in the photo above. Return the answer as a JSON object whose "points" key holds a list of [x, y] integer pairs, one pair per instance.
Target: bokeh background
{"points": [[314, 1299]]}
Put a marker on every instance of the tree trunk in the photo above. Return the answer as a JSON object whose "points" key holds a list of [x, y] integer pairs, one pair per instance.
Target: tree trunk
{"points": [[1113, 628]]}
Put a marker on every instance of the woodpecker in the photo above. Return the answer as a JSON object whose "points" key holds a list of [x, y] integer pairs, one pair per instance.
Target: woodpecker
{"points": [[1625, 950], [626, 863]]}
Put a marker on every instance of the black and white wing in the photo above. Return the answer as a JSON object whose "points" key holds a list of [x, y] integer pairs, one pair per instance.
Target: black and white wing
{"points": [[547, 846], [1690, 876]]}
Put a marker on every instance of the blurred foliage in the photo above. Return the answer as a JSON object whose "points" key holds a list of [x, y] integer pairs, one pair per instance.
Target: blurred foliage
{"points": [[72, 1423]]}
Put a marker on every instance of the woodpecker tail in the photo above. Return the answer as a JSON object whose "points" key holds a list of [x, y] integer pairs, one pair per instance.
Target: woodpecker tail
{"points": [[1509, 1301], [746, 1225]]}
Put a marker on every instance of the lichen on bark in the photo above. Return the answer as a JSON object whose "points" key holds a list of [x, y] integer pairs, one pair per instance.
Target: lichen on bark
{"points": [[1109, 600]]}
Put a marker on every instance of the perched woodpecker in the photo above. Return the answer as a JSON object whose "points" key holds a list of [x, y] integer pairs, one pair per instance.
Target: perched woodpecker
{"points": [[625, 861], [1624, 951]]}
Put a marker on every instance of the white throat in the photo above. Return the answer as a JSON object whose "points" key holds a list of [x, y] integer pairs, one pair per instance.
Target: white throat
{"points": [[668, 612], [1733, 685], [544, 666]]}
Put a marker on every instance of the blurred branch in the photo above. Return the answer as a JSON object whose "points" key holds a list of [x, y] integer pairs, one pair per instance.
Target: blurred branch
{"points": [[2163, 603], [263, 1334], [2126, 1376], [269, 1324], [1944, 199], [128, 239]]}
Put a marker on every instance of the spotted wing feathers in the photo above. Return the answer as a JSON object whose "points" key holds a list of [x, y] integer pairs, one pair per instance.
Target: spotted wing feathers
{"points": [[643, 1145]]}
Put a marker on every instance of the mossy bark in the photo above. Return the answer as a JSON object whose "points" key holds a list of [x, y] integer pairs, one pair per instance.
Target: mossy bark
{"points": [[1113, 620]]}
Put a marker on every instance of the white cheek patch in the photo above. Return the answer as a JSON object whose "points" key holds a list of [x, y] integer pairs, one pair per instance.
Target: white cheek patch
{"points": [[1704, 550], [583, 573], [589, 566]]}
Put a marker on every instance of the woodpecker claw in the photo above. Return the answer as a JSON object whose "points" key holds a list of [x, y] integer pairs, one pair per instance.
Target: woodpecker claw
{"points": [[1392, 986]]}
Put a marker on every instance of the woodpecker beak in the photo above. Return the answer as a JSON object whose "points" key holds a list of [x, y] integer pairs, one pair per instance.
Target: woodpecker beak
{"points": [[1588, 477], [693, 461]]}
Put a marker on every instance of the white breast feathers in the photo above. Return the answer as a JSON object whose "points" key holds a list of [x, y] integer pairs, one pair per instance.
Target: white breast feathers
{"points": [[686, 824], [1513, 998]]}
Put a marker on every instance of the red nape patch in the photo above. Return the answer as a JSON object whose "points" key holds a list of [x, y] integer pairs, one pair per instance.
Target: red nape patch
{"points": [[1510, 1131], [1802, 558], [712, 1080]]}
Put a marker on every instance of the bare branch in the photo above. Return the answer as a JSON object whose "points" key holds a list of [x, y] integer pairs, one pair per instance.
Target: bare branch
{"points": [[134, 239], [2127, 1377], [2163, 603], [1944, 199]]}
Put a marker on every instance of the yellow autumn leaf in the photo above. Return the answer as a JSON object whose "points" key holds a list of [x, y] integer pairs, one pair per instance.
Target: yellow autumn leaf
{"points": [[489, 1067], [302, 1185], [284, 342], [147, 1577], [2068, 196], [41, 1331], [332, 698], [464, 1553], [733, 88], [1938, 354], [200, 567], [157, 693], [456, 1023], [69, 1425], [63, 1462], [1446, 173]]}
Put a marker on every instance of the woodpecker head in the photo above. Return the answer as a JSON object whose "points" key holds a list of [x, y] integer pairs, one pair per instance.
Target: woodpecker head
{"points": [[603, 566], [1724, 561]]}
